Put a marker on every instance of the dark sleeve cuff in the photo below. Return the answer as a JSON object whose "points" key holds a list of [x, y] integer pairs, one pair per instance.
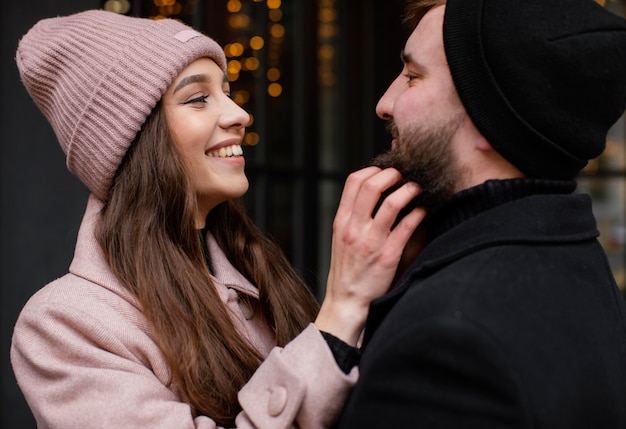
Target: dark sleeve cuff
{"points": [[346, 356]]}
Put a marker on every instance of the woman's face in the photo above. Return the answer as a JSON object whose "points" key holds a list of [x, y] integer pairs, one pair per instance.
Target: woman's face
{"points": [[208, 128]]}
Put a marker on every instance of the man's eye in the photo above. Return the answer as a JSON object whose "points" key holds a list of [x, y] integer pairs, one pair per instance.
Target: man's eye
{"points": [[409, 77], [201, 99]]}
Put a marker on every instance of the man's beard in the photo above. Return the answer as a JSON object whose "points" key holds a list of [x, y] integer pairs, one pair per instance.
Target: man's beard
{"points": [[425, 156]]}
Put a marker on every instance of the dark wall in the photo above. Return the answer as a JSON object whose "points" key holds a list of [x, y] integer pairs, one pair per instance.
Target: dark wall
{"points": [[41, 203]]}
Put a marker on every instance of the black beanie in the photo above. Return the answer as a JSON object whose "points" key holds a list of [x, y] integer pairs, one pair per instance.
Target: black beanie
{"points": [[542, 80]]}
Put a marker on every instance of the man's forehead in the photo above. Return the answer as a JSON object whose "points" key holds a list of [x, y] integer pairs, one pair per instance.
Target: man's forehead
{"points": [[425, 43]]}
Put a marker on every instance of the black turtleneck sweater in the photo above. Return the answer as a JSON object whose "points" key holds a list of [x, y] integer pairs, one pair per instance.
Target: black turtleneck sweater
{"points": [[470, 202]]}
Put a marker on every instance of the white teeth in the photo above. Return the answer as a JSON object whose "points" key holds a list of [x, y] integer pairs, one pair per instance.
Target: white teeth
{"points": [[226, 152]]}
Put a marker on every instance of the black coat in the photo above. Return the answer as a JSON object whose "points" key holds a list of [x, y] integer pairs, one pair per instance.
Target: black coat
{"points": [[510, 319]]}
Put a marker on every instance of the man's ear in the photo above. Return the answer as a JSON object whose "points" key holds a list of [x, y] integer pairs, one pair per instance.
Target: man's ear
{"points": [[483, 144]]}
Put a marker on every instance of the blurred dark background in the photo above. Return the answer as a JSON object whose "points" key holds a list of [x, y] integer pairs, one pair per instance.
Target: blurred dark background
{"points": [[308, 71]]}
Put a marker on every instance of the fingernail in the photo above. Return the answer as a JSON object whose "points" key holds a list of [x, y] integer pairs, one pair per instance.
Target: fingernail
{"points": [[414, 187]]}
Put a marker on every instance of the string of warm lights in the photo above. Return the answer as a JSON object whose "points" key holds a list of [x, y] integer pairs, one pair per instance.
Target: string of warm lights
{"points": [[243, 54], [117, 6], [249, 46], [327, 31]]}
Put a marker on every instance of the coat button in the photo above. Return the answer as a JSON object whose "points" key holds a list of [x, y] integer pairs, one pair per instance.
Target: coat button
{"points": [[277, 401]]}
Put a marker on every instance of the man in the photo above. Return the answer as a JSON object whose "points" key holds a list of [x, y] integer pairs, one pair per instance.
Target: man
{"points": [[509, 317]]}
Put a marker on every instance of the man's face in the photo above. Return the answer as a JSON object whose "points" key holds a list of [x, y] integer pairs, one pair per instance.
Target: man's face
{"points": [[425, 113]]}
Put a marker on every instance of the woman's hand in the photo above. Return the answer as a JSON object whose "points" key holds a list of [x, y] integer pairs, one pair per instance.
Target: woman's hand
{"points": [[366, 250]]}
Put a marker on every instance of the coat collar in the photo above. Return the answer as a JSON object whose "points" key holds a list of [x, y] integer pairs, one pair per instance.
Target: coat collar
{"points": [[225, 273], [89, 261]]}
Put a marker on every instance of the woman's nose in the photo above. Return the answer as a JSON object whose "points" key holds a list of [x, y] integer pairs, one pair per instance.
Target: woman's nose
{"points": [[234, 115]]}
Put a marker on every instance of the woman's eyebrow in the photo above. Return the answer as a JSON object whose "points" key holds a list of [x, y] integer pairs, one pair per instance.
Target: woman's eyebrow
{"points": [[195, 78]]}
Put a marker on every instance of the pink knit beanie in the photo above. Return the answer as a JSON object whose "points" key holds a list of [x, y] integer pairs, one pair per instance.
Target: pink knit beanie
{"points": [[97, 75]]}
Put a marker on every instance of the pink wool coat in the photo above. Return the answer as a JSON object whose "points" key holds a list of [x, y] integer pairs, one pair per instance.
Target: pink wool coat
{"points": [[84, 356]]}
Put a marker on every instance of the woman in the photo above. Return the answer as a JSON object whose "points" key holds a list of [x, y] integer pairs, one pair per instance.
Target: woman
{"points": [[177, 311]]}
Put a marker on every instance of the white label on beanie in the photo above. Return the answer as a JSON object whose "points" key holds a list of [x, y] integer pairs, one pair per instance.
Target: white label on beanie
{"points": [[186, 35]]}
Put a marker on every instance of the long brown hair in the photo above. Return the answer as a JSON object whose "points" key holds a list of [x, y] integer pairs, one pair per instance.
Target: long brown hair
{"points": [[149, 237]]}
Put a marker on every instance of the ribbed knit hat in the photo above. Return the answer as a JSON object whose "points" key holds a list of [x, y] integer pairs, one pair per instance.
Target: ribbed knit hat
{"points": [[543, 80], [97, 75]]}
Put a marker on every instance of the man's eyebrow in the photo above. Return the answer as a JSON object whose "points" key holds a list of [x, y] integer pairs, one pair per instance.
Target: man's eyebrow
{"points": [[195, 78], [405, 57], [409, 60]]}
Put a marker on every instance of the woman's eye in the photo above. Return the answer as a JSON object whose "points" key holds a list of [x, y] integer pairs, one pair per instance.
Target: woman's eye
{"points": [[201, 99]]}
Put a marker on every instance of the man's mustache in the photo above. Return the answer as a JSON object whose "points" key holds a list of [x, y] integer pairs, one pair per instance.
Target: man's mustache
{"points": [[392, 128]]}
